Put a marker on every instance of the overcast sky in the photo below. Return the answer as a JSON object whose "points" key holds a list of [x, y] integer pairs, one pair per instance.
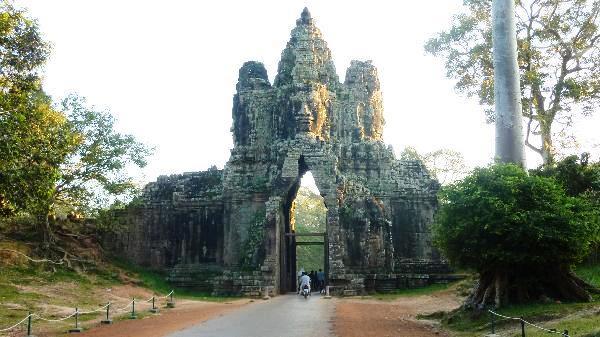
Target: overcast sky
{"points": [[167, 69]]}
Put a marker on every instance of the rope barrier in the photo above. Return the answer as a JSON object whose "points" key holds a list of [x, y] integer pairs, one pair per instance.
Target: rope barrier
{"points": [[16, 325], [125, 307], [505, 317], [94, 311], [169, 294], [564, 334], [54, 320], [76, 312]]}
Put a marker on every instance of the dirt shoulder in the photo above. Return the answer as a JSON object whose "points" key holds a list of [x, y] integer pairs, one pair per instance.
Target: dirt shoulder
{"points": [[186, 314], [366, 317]]}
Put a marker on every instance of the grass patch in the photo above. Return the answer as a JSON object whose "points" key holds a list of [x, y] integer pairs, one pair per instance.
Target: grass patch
{"points": [[590, 273], [580, 319], [585, 326], [409, 292], [468, 321], [157, 281]]}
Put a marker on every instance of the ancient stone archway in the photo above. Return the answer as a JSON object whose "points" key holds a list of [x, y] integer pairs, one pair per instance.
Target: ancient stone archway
{"points": [[226, 230]]}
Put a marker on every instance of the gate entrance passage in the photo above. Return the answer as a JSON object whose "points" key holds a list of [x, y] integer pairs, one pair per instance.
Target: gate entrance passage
{"points": [[295, 241]]}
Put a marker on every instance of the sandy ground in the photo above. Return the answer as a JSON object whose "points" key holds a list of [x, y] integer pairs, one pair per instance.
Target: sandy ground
{"points": [[186, 314], [365, 318]]}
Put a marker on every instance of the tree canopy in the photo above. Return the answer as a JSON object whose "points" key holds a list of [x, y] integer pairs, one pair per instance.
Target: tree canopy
{"points": [[558, 56], [520, 232], [98, 163], [445, 165], [52, 155], [36, 138]]}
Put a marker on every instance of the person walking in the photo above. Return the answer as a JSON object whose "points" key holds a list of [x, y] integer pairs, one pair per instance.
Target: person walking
{"points": [[313, 279], [321, 280]]}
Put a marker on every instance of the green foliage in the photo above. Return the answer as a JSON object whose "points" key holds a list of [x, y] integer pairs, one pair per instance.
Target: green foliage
{"points": [[36, 138], [579, 318], [501, 218], [579, 178], [310, 217], [259, 183], [577, 175], [157, 282], [558, 55], [445, 165], [590, 273], [252, 250], [558, 315], [23, 50], [111, 219], [310, 212], [52, 157], [411, 292], [97, 164]]}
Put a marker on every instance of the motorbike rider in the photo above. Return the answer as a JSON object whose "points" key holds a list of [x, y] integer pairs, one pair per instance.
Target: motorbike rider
{"points": [[304, 281]]}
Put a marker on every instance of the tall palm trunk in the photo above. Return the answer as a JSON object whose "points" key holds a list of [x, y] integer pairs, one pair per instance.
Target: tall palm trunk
{"points": [[507, 92]]}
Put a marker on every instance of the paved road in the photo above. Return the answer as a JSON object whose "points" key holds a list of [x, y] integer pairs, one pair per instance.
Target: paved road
{"points": [[287, 315]]}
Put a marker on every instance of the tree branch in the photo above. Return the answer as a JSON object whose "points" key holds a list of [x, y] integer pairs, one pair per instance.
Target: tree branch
{"points": [[527, 143]]}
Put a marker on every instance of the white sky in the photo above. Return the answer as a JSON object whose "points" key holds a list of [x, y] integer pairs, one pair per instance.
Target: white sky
{"points": [[167, 69]]}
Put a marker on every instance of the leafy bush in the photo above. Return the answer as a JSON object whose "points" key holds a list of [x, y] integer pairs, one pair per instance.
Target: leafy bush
{"points": [[516, 229]]}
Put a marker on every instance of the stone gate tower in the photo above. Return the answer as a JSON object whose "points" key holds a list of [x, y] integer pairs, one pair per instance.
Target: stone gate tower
{"points": [[230, 230]]}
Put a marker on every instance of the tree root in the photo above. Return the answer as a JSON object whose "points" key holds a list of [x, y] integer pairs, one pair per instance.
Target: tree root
{"points": [[497, 288]]}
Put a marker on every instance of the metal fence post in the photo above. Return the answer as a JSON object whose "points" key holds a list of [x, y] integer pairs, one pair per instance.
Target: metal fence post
{"points": [[154, 309], [76, 328], [493, 317], [522, 327], [29, 325], [170, 303], [133, 316], [107, 320]]}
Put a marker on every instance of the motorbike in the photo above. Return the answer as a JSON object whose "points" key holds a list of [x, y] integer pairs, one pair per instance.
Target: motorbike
{"points": [[305, 292]]}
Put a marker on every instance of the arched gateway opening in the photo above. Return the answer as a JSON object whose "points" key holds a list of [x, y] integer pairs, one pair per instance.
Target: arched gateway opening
{"points": [[305, 236]]}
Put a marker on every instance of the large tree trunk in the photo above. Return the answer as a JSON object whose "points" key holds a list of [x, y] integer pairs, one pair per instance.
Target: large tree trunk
{"points": [[499, 288], [547, 146], [507, 92], [45, 230]]}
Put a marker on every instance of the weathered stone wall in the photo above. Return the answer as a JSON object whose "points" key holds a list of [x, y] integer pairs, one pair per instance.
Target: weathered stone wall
{"points": [[179, 219], [378, 208]]}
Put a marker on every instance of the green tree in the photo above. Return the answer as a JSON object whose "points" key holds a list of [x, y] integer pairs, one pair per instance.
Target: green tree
{"points": [[580, 178], [97, 165], [36, 138], [558, 56], [520, 232], [577, 175], [445, 165], [23, 51], [52, 156]]}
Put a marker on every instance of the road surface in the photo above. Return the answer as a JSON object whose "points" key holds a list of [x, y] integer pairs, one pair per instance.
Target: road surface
{"points": [[286, 315]]}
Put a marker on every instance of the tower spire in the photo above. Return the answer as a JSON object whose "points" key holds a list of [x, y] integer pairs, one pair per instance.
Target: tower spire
{"points": [[305, 17]]}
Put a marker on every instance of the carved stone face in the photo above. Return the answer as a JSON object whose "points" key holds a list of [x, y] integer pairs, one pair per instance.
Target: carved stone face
{"points": [[319, 102]]}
